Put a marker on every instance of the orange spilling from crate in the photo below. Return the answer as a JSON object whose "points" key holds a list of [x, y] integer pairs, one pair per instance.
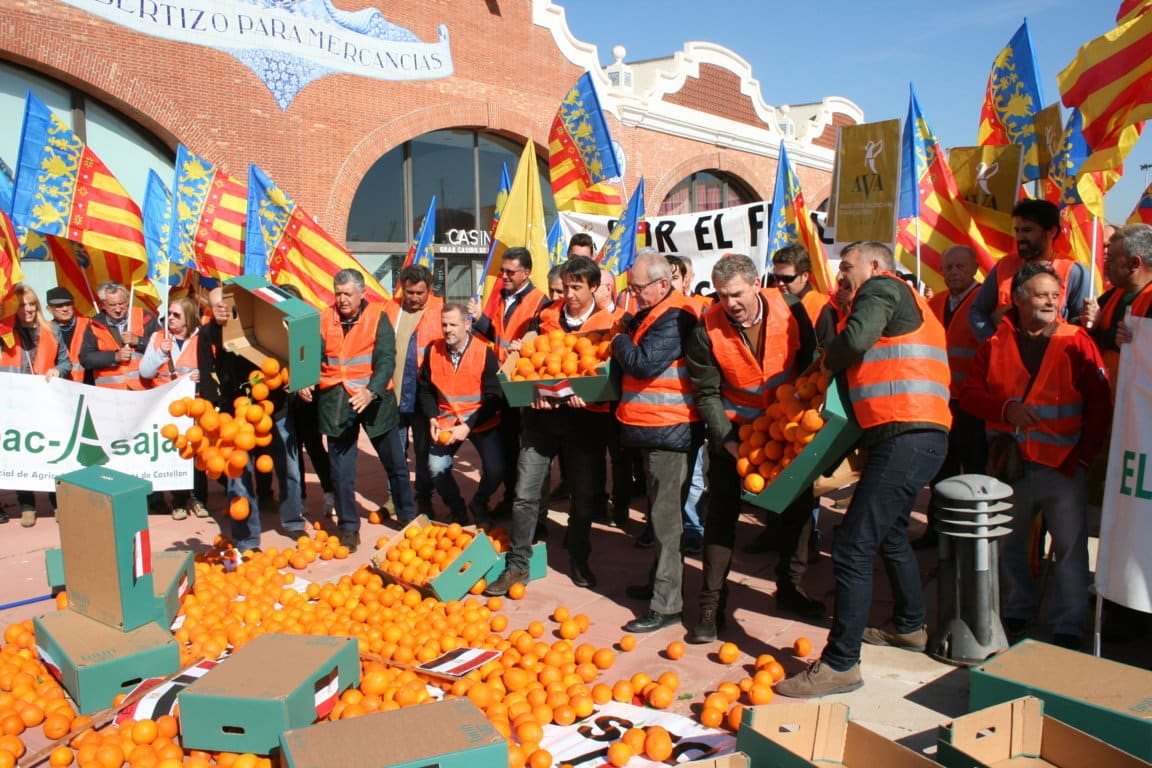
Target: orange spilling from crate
{"points": [[789, 423], [219, 442], [422, 553], [558, 354]]}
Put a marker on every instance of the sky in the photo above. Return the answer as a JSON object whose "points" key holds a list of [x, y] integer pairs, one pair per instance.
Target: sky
{"points": [[802, 52]]}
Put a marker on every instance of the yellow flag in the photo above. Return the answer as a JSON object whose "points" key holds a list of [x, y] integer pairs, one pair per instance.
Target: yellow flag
{"points": [[522, 223]]}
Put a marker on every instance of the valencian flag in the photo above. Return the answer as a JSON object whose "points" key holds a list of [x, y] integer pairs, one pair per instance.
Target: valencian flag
{"points": [[581, 159], [286, 247], [521, 224], [157, 233], [932, 216], [10, 275], [620, 248], [491, 266], [1012, 97], [65, 193], [790, 223], [1130, 9], [1070, 187], [209, 208], [1142, 213], [421, 250], [7, 186], [557, 252], [1110, 82]]}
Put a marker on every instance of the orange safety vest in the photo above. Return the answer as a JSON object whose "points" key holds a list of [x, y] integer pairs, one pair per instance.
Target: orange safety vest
{"points": [[700, 304], [814, 303], [1010, 264], [77, 373], [904, 378], [125, 375], [599, 320], [347, 357], [458, 390], [747, 384], [186, 362], [517, 325], [427, 330], [12, 358], [1053, 396], [962, 342], [667, 399], [1140, 306]]}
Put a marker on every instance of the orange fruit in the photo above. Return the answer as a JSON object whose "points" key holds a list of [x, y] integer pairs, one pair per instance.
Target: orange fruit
{"points": [[619, 754], [634, 738], [760, 694], [777, 671], [754, 482], [517, 591], [657, 744], [604, 658], [61, 757], [627, 643], [622, 692], [444, 437], [239, 509], [144, 731], [710, 717], [675, 650], [270, 366], [660, 697], [728, 653], [541, 758], [735, 716], [802, 647], [264, 464], [763, 660], [178, 408]]}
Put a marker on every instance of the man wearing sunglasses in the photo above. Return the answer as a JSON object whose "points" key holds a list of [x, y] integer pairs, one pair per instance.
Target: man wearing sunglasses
{"points": [[792, 270]]}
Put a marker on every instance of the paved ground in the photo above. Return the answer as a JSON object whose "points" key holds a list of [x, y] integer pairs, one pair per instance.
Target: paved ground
{"points": [[905, 697]]}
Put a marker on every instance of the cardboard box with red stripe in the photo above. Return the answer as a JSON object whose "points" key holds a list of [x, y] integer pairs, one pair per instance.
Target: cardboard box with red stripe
{"points": [[268, 321], [272, 684]]}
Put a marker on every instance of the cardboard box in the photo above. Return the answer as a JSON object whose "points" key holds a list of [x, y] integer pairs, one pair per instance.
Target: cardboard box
{"points": [[797, 735], [537, 564], [54, 568], [1017, 733], [826, 451], [731, 760], [452, 733], [95, 662], [107, 552], [267, 321], [592, 389], [272, 684], [1105, 699], [174, 574], [458, 577]]}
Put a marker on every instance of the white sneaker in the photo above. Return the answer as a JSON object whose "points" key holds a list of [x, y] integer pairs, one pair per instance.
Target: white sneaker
{"points": [[329, 503]]}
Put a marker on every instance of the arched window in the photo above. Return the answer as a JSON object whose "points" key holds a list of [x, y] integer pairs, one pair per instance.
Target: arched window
{"points": [[461, 167], [706, 191]]}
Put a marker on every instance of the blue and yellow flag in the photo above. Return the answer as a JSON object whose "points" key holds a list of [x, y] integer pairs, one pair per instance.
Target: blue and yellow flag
{"points": [[490, 275], [209, 208], [581, 158], [421, 250], [157, 232], [1142, 213], [286, 247], [10, 275], [1012, 97], [557, 252], [790, 223], [7, 186], [620, 248]]}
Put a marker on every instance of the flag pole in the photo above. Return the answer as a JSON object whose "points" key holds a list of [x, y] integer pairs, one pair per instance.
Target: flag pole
{"points": [[919, 285]]}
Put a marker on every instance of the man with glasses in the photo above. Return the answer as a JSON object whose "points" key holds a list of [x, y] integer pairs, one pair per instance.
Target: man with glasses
{"points": [[658, 415], [503, 322], [115, 340], [792, 273]]}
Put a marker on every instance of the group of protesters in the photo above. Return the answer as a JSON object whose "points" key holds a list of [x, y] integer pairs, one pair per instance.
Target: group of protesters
{"points": [[1010, 376]]}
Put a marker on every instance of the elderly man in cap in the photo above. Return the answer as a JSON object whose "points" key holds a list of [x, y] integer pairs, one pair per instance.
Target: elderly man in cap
{"points": [[71, 326]]}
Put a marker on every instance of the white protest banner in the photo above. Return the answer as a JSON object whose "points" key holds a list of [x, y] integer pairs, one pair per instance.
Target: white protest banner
{"points": [[49, 428], [703, 237], [1124, 563]]}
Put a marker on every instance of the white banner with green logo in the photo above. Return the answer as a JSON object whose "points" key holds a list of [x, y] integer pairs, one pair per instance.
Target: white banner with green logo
{"points": [[1124, 568], [48, 428]]}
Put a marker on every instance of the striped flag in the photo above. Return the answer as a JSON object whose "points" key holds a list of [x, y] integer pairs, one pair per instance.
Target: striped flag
{"points": [[491, 274], [790, 223], [286, 247], [421, 250], [1142, 213], [209, 208], [581, 158], [157, 235], [1110, 80], [64, 191], [931, 211], [1012, 97], [7, 186], [1130, 9], [557, 253], [620, 248], [10, 275]]}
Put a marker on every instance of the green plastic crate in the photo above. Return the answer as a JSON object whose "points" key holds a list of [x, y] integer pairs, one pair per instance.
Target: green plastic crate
{"points": [[267, 321], [591, 389], [839, 433], [537, 564], [458, 577]]}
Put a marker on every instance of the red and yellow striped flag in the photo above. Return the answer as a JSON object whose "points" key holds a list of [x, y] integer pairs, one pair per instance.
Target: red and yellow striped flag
{"points": [[209, 211], [10, 275]]}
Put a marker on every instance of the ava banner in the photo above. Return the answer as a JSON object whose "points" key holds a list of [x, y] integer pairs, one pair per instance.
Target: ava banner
{"points": [[49, 428], [704, 236], [867, 183], [1124, 569]]}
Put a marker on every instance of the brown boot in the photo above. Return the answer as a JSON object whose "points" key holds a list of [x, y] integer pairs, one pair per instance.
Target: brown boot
{"points": [[909, 641], [820, 680], [28, 517]]}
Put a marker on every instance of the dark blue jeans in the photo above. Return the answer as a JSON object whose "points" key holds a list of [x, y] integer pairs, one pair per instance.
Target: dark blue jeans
{"points": [[390, 450], [877, 523], [488, 446]]}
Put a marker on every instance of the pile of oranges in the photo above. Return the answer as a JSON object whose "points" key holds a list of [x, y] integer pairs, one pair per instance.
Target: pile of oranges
{"points": [[220, 442], [421, 554], [558, 354], [770, 443]]}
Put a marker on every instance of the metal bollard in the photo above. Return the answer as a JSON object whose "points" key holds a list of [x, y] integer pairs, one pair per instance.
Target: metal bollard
{"points": [[970, 517]]}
